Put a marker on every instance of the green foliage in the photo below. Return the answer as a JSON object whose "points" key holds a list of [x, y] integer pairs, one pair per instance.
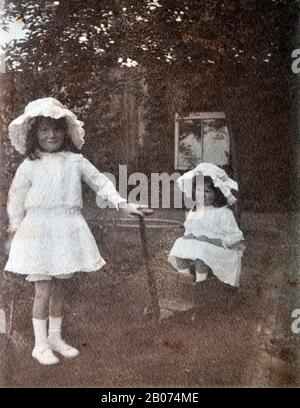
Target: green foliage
{"points": [[70, 45], [193, 55]]}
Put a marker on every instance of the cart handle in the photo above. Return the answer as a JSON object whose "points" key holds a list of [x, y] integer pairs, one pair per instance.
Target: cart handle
{"points": [[145, 211]]}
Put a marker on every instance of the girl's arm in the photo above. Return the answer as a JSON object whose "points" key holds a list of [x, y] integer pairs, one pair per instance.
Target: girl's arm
{"points": [[16, 197], [203, 238], [105, 189], [233, 236], [218, 242]]}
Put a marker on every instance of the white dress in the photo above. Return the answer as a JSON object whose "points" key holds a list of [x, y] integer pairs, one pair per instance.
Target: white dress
{"points": [[44, 206], [215, 223]]}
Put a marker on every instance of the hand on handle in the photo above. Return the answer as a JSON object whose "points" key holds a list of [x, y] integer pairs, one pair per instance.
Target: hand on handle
{"points": [[135, 209]]}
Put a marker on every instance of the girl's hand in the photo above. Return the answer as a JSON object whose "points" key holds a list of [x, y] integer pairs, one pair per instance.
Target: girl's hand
{"points": [[240, 246], [213, 241], [198, 238], [203, 238], [132, 209], [189, 236]]}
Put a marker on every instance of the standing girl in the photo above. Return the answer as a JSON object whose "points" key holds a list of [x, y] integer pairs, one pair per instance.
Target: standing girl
{"points": [[49, 238], [212, 238]]}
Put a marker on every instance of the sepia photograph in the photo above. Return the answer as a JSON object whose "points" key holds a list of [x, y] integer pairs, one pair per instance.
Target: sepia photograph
{"points": [[149, 200]]}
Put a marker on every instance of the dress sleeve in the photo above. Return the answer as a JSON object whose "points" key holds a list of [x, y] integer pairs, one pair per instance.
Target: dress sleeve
{"points": [[101, 184], [231, 232], [16, 196]]}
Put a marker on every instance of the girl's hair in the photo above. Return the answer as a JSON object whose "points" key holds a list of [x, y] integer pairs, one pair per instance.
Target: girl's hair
{"points": [[219, 201], [32, 144]]}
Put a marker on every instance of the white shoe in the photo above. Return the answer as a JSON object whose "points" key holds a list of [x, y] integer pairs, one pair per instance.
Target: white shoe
{"points": [[200, 277], [45, 355], [186, 271], [63, 348]]}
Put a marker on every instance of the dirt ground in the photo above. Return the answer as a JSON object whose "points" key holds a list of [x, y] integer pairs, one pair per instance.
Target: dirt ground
{"points": [[236, 337]]}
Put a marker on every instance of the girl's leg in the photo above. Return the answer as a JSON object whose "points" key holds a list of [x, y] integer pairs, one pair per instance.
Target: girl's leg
{"points": [[42, 351], [184, 266], [201, 271], [41, 299], [57, 298], [55, 320]]}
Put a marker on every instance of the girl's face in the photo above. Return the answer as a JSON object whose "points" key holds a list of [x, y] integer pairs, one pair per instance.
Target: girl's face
{"points": [[50, 134], [209, 195]]}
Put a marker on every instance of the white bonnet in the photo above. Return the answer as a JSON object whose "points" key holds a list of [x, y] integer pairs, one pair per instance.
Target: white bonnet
{"points": [[48, 107], [219, 177]]}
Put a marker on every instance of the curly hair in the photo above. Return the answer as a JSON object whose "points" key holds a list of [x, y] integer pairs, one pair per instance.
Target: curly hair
{"points": [[32, 144]]}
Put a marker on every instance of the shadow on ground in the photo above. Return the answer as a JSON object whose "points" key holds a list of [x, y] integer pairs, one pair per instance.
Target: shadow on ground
{"points": [[219, 345]]}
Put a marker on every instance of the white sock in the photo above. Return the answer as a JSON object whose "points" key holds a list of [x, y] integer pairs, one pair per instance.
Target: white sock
{"points": [[185, 271], [40, 333], [201, 276], [55, 325], [56, 341]]}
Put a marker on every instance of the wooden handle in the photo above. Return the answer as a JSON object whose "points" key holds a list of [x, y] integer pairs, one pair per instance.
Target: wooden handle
{"points": [[145, 211]]}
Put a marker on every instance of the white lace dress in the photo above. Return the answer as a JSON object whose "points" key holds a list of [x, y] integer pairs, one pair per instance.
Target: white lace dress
{"points": [[44, 206], [214, 223]]}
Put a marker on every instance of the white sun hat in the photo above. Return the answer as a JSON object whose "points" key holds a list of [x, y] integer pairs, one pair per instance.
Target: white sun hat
{"points": [[219, 178], [48, 107]]}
